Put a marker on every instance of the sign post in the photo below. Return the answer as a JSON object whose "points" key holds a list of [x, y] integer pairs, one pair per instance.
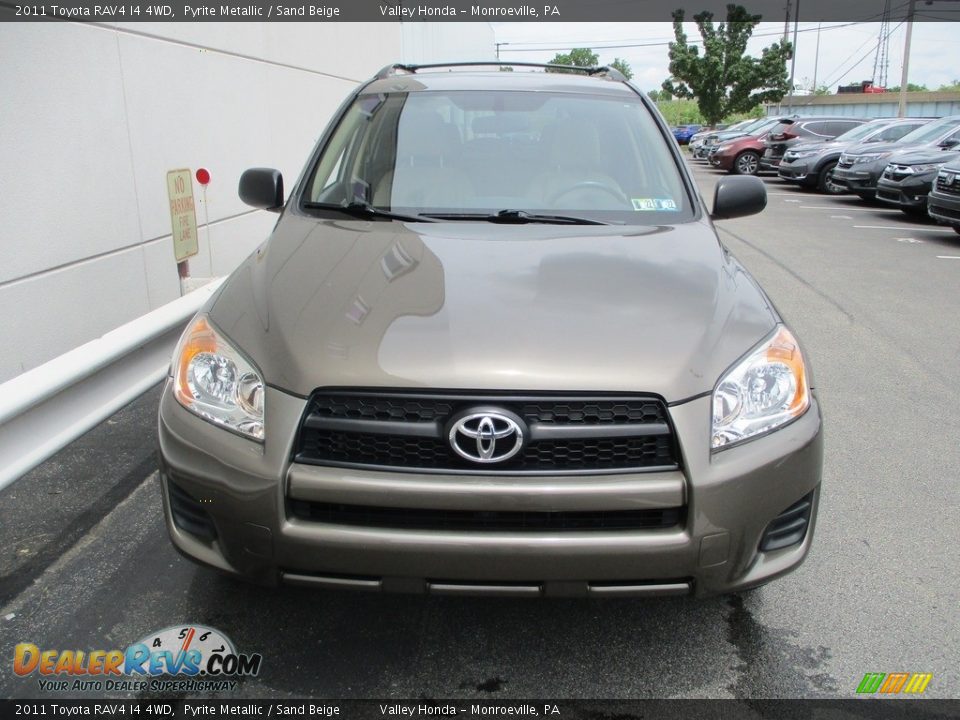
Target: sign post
{"points": [[183, 217]]}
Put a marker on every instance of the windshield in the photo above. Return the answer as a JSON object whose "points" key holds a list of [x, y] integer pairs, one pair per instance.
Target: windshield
{"points": [[860, 132], [481, 152], [932, 131]]}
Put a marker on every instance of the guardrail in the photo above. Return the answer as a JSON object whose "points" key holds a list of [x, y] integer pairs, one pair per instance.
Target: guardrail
{"points": [[45, 409]]}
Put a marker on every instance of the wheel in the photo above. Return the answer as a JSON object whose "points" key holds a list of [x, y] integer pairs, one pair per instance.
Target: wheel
{"points": [[590, 185], [825, 181], [746, 163]]}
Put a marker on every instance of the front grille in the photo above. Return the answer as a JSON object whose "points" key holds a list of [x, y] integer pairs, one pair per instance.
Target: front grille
{"points": [[410, 432], [897, 173], [952, 187], [789, 527], [466, 520], [189, 515]]}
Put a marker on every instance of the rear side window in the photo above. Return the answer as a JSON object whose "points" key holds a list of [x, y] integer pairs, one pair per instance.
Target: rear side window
{"points": [[839, 127], [820, 128], [894, 133]]}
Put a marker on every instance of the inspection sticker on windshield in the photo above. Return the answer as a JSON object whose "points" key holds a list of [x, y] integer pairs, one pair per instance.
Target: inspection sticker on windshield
{"points": [[654, 204]]}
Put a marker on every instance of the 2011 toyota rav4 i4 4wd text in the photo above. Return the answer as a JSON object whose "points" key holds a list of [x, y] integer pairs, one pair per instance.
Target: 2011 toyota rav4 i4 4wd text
{"points": [[493, 345]]}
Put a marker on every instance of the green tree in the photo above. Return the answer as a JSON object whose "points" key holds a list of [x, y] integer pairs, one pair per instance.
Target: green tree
{"points": [[623, 66], [911, 87], [578, 57], [953, 86], [724, 80]]}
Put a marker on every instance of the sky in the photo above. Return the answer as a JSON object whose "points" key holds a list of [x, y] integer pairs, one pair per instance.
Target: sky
{"points": [[846, 53]]}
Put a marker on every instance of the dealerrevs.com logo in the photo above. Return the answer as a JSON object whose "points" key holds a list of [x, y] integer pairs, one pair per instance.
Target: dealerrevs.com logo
{"points": [[184, 658]]}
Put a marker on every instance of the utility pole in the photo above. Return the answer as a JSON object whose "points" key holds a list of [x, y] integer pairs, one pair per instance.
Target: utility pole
{"points": [[904, 76], [816, 60], [793, 55]]}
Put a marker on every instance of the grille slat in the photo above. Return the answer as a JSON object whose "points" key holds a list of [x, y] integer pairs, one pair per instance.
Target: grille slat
{"points": [[418, 519], [952, 187], [408, 432]]}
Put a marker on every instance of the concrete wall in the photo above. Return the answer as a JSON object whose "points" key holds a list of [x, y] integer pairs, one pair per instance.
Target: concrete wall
{"points": [[93, 117], [919, 104]]}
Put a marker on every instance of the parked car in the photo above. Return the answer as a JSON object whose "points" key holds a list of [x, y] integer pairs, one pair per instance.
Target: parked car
{"points": [[741, 155], [683, 133], [793, 131], [907, 181], [702, 143], [860, 167], [462, 367], [811, 165], [943, 202]]}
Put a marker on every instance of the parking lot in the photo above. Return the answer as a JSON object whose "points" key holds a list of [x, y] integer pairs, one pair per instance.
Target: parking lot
{"points": [[873, 294]]}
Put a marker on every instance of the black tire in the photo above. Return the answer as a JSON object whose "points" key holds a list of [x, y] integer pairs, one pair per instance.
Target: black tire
{"points": [[746, 163], [823, 181]]}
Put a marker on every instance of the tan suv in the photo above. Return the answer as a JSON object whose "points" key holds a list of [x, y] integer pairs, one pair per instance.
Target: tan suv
{"points": [[493, 346]]}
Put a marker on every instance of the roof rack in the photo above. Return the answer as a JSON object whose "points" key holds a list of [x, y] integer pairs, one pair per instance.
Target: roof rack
{"points": [[601, 71]]}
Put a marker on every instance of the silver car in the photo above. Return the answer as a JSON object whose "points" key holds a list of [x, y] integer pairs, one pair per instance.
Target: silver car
{"points": [[493, 346]]}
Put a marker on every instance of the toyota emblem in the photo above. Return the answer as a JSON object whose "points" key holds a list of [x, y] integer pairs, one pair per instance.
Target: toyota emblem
{"points": [[486, 437]]}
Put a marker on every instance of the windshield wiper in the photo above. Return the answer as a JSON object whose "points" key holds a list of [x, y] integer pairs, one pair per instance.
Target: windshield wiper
{"points": [[518, 217], [365, 211]]}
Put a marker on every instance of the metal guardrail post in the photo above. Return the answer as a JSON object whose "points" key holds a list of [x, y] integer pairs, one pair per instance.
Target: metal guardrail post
{"points": [[50, 406]]}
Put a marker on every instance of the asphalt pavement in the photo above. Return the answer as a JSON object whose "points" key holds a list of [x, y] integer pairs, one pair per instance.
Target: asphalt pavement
{"points": [[86, 563]]}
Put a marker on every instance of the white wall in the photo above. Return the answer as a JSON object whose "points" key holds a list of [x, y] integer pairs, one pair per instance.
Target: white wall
{"points": [[93, 117], [448, 42]]}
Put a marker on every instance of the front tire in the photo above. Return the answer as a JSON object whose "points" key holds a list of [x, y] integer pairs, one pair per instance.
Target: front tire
{"points": [[825, 181], [746, 163]]}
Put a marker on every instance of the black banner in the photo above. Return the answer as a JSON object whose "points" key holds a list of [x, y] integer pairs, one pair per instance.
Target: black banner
{"points": [[858, 709], [457, 10]]}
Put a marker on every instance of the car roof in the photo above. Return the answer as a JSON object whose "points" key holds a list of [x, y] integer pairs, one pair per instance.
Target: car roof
{"points": [[510, 81]]}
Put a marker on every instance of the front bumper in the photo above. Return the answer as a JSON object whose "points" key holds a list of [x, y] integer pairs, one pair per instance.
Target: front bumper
{"points": [[860, 179], [910, 192], [721, 160], [729, 499], [944, 207], [794, 171]]}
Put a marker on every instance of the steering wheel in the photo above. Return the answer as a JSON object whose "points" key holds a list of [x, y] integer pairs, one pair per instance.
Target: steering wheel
{"points": [[591, 185]]}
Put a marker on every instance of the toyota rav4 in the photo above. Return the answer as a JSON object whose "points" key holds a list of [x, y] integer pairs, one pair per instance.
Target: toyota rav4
{"points": [[493, 345]]}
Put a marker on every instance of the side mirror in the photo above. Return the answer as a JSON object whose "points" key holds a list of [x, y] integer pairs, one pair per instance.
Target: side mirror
{"points": [[951, 143], [262, 188], [738, 196]]}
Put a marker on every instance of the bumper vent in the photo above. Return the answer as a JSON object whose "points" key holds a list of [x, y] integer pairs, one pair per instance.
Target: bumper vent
{"points": [[563, 435], [789, 527], [466, 520], [189, 515]]}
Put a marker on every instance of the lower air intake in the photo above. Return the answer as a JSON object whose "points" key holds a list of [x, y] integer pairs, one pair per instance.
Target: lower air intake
{"points": [[789, 527]]}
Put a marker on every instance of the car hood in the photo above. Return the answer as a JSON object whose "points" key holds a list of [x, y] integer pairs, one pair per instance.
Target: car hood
{"points": [[827, 146], [661, 310], [922, 157], [883, 147]]}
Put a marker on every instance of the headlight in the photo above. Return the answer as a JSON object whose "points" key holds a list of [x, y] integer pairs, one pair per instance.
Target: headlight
{"points": [[762, 392], [213, 380], [927, 168], [802, 153], [723, 148], [857, 159]]}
